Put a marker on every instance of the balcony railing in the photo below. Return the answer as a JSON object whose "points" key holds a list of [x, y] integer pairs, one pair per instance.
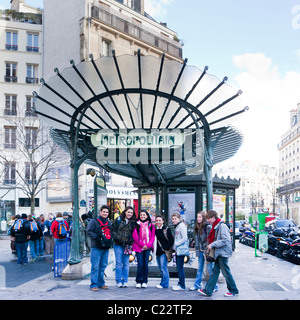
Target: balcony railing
{"points": [[10, 146], [9, 181], [10, 112], [11, 47], [135, 31], [32, 49], [32, 80], [287, 139], [10, 79]]}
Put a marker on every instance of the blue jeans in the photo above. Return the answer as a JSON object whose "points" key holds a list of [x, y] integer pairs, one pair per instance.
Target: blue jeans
{"points": [[201, 263], [162, 263], [221, 264], [99, 262], [142, 266], [21, 248], [179, 266], [41, 247], [122, 264], [34, 246]]}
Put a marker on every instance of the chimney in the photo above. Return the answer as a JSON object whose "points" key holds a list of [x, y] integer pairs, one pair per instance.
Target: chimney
{"points": [[16, 4]]}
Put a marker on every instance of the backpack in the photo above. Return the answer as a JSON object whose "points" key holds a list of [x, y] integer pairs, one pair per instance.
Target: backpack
{"points": [[18, 227], [33, 227], [62, 229], [104, 240]]}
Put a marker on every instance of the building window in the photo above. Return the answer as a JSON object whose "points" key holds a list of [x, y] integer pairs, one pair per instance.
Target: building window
{"points": [[11, 41], [105, 48], [10, 105], [30, 105], [31, 137], [10, 137], [30, 174], [11, 72], [10, 173], [32, 74], [32, 42]]}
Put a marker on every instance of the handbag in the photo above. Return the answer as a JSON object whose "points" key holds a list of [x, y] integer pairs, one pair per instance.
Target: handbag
{"points": [[183, 249], [128, 249], [168, 253], [210, 255]]}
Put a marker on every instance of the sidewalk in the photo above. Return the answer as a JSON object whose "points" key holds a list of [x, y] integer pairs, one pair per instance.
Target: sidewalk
{"points": [[264, 278]]}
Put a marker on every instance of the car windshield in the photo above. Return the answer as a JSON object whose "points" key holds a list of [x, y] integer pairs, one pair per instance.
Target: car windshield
{"points": [[285, 223]]}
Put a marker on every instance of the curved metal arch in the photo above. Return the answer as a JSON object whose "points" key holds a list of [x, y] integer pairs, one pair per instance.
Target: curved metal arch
{"points": [[182, 104]]}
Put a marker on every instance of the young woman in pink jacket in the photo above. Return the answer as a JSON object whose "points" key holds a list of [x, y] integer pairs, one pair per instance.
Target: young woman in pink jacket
{"points": [[143, 238]]}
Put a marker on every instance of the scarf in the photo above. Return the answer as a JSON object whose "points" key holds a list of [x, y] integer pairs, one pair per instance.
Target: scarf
{"points": [[211, 236], [144, 231]]}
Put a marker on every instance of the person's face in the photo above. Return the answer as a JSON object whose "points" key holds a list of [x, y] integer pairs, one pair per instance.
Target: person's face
{"points": [[159, 222], [129, 214], [199, 218], [104, 213], [143, 216], [175, 220]]}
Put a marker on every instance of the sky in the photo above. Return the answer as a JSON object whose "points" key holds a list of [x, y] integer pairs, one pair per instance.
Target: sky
{"points": [[256, 45]]}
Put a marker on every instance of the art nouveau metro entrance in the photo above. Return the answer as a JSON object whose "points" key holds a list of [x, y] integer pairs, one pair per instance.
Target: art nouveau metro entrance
{"points": [[153, 120]]}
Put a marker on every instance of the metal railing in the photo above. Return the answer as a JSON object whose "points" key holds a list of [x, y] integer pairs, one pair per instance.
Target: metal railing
{"points": [[135, 31]]}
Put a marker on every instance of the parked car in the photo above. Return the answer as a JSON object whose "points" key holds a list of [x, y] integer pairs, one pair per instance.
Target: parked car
{"points": [[281, 223]]}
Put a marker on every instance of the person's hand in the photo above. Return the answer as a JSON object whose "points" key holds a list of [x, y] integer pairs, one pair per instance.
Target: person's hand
{"points": [[144, 247], [209, 247]]}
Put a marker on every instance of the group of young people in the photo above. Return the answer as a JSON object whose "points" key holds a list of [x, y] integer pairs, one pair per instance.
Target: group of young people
{"points": [[129, 234]]}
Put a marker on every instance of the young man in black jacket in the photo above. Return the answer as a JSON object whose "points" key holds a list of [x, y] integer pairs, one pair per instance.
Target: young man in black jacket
{"points": [[21, 232], [99, 230]]}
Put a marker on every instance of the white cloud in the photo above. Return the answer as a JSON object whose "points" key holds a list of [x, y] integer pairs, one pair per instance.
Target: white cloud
{"points": [[157, 8], [270, 98]]}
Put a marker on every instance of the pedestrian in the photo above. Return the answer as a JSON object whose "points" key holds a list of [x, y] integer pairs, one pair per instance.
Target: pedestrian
{"points": [[68, 218], [58, 230], [181, 247], [143, 239], [122, 228], [35, 236], [220, 241], [99, 230], [41, 220], [165, 241], [21, 232], [48, 235], [202, 230], [87, 241], [12, 239]]}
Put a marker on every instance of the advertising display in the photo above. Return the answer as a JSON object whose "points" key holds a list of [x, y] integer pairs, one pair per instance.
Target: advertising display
{"points": [[183, 203]]}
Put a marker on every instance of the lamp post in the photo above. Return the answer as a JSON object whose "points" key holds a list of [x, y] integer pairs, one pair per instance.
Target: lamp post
{"points": [[100, 192]]}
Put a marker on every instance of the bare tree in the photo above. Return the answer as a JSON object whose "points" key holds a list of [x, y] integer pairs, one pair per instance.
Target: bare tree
{"points": [[27, 154]]}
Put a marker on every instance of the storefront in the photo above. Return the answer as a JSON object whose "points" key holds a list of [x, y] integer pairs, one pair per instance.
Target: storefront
{"points": [[118, 198]]}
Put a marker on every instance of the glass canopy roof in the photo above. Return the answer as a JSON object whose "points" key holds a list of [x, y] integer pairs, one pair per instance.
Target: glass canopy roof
{"points": [[131, 92]]}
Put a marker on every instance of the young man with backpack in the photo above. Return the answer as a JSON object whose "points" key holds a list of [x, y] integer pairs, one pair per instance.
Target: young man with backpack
{"points": [[99, 230], [21, 232], [36, 233], [59, 228]]}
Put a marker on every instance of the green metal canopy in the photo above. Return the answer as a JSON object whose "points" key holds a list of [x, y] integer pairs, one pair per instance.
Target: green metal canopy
{"points": [[129, 93]]}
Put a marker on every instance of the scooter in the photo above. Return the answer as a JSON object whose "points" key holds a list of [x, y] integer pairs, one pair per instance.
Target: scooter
{"points": [[248, 236], [292, 252]]}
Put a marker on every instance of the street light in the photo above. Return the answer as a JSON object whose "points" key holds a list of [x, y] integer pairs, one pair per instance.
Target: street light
{"points": [[100, 192]]}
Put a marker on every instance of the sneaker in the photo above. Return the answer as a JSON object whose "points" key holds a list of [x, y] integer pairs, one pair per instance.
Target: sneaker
{"points": [[177, 288], [229, 294], [119, 285], [202, 292], [144, 285], [159, 286], [125, 285], [138, 285], [193, 289]]}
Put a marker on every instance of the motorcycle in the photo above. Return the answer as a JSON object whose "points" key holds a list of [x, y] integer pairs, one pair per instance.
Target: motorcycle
{"points": [[248, 236], [292, 252]]}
